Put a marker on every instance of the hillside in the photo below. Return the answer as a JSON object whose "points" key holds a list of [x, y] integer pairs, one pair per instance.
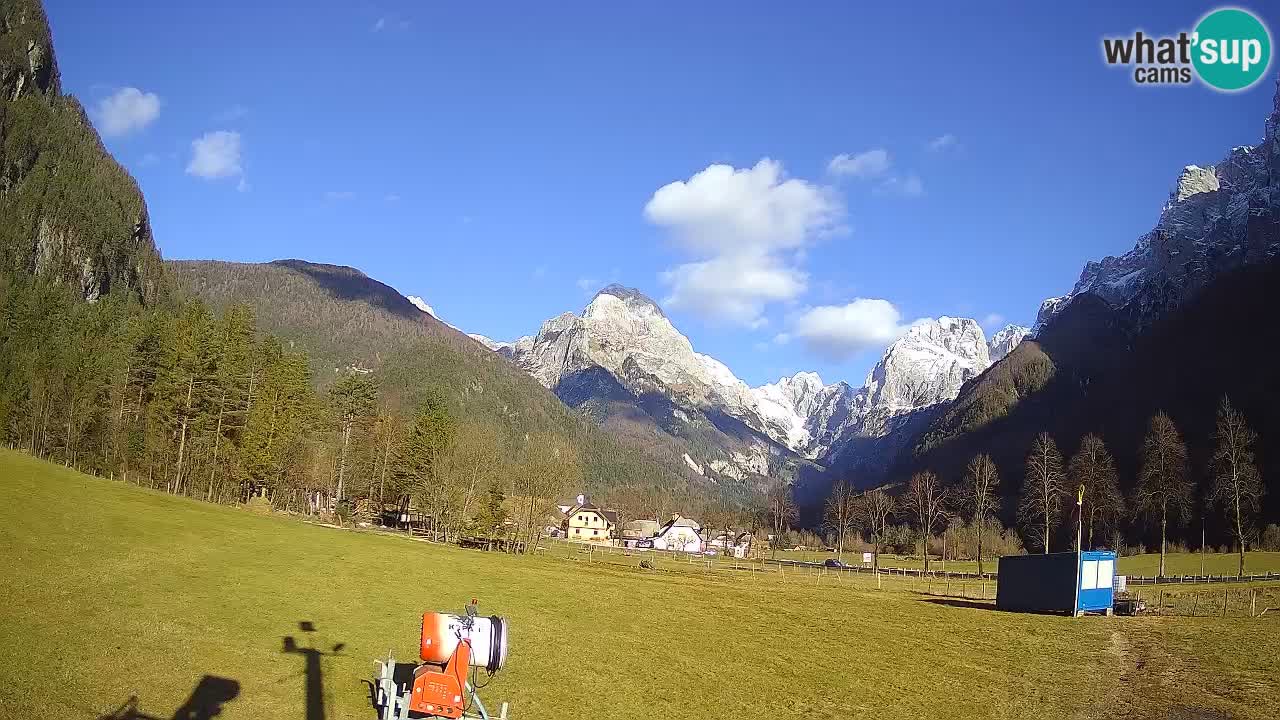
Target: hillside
{"points": [[344, 319], [1088, 373], [71, 213]]}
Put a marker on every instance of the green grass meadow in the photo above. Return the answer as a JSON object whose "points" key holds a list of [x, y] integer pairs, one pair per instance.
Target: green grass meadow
{"points": [[109, 590]]}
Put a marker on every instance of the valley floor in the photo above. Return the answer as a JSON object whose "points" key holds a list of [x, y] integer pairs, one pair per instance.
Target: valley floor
{"points": [[110, 590]]}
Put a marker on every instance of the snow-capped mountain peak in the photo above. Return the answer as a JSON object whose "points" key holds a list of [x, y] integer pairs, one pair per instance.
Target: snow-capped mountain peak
{"points": [[626, 333], [1005, 340], [927, 365]]}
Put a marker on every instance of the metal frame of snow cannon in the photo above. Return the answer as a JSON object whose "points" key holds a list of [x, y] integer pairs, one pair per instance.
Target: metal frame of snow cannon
{"points": [[394, 703]]}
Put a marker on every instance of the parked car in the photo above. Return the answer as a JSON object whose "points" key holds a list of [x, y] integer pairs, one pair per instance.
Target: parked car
{"points": [[834, 563]]}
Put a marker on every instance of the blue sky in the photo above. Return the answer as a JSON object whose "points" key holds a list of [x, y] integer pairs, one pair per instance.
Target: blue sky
{"points": [[504, 161]]}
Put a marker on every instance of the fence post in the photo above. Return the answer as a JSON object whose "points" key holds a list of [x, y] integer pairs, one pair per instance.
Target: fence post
{"points": [[1253, 601], [1224, 600]]}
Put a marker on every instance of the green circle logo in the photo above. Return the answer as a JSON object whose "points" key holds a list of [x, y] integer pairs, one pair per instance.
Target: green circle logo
{"points": [[1232, 49]]}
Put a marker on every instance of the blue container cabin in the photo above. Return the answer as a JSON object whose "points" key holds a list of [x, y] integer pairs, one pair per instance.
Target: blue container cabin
{"points": [[1056, 583]]}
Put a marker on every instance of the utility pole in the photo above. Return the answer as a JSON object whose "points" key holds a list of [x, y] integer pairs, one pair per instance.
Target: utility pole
{"points": [[1075, 611], [1202, 542]]}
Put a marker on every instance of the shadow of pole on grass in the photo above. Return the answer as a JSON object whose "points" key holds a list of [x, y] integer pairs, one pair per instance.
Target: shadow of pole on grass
{"points": [[206, 702], [314, 691]]}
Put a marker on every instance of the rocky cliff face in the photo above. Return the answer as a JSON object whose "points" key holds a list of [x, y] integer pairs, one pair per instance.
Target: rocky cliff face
{"points": [[1005, 340], [1217, 218], [68, 211], [647, 363]]}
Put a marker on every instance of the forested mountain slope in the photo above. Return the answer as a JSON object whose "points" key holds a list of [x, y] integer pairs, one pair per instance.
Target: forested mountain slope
{"points": [[345, 320], [71, 213], [1088, 373]]}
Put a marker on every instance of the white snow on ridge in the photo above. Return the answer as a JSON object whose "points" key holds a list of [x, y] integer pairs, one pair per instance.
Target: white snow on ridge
{"points": [[422, 305]]}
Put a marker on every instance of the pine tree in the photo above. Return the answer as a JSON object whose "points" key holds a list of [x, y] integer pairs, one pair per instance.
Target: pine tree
{"points": [[183, 384], [353, 402], [426, 441]]}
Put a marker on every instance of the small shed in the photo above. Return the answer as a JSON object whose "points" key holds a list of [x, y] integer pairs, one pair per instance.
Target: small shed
{"points": [[1056, 583]]}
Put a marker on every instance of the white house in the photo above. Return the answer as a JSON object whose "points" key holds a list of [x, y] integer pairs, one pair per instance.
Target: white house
{"points": [[679, 534]]}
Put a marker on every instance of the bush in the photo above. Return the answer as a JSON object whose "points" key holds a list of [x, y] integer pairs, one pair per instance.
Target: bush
{"points": [[1270, 538]]}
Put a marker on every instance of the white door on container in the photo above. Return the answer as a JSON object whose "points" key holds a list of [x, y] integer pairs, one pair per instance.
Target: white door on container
{"points": [[1106, 569], [1089, 575]]}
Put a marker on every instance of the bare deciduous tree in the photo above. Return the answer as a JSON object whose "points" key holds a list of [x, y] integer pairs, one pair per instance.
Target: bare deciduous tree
{"points": [[875, 507], [981, 485], [841, 515], [1164, 489], [1237, 486], [782, 509], [1093, 468], [926, 497], [547, 466], [1040, 505]]}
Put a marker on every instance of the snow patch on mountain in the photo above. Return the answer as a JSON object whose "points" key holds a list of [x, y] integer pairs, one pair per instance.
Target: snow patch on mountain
{"points": [[422, 305], [1005, 340]]}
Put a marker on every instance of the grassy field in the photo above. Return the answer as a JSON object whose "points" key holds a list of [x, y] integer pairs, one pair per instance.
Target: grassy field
{"points": [[110, 590], [1176, 563]]}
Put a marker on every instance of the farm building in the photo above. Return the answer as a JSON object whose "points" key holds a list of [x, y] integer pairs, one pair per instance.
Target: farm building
{"points": [[638, 531], [588, 523], [680, 533], [735, 543], [1056, 583]]}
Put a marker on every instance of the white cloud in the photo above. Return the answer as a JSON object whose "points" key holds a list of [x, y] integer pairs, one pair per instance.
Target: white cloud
{"points": [[586, 284], [126, 110], [734, 288], [872, 163], [745, 229], [339, 195], [380, 25], [993, 321], [942, 142], [838, 332], [215, 155], [242, 186]]}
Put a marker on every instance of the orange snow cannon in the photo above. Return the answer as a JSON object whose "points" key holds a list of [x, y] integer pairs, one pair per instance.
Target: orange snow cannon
{"points": [[452, 648]]}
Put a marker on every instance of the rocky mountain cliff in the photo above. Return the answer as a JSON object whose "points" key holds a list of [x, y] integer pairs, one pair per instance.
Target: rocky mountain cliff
{"points": [[1217, 218], [1005, 340], [68, 211], [1171, 325], [622, 356]]}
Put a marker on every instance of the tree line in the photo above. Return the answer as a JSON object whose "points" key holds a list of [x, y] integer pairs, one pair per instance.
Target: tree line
{"points": [[179, 399], [1081, 495]]}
